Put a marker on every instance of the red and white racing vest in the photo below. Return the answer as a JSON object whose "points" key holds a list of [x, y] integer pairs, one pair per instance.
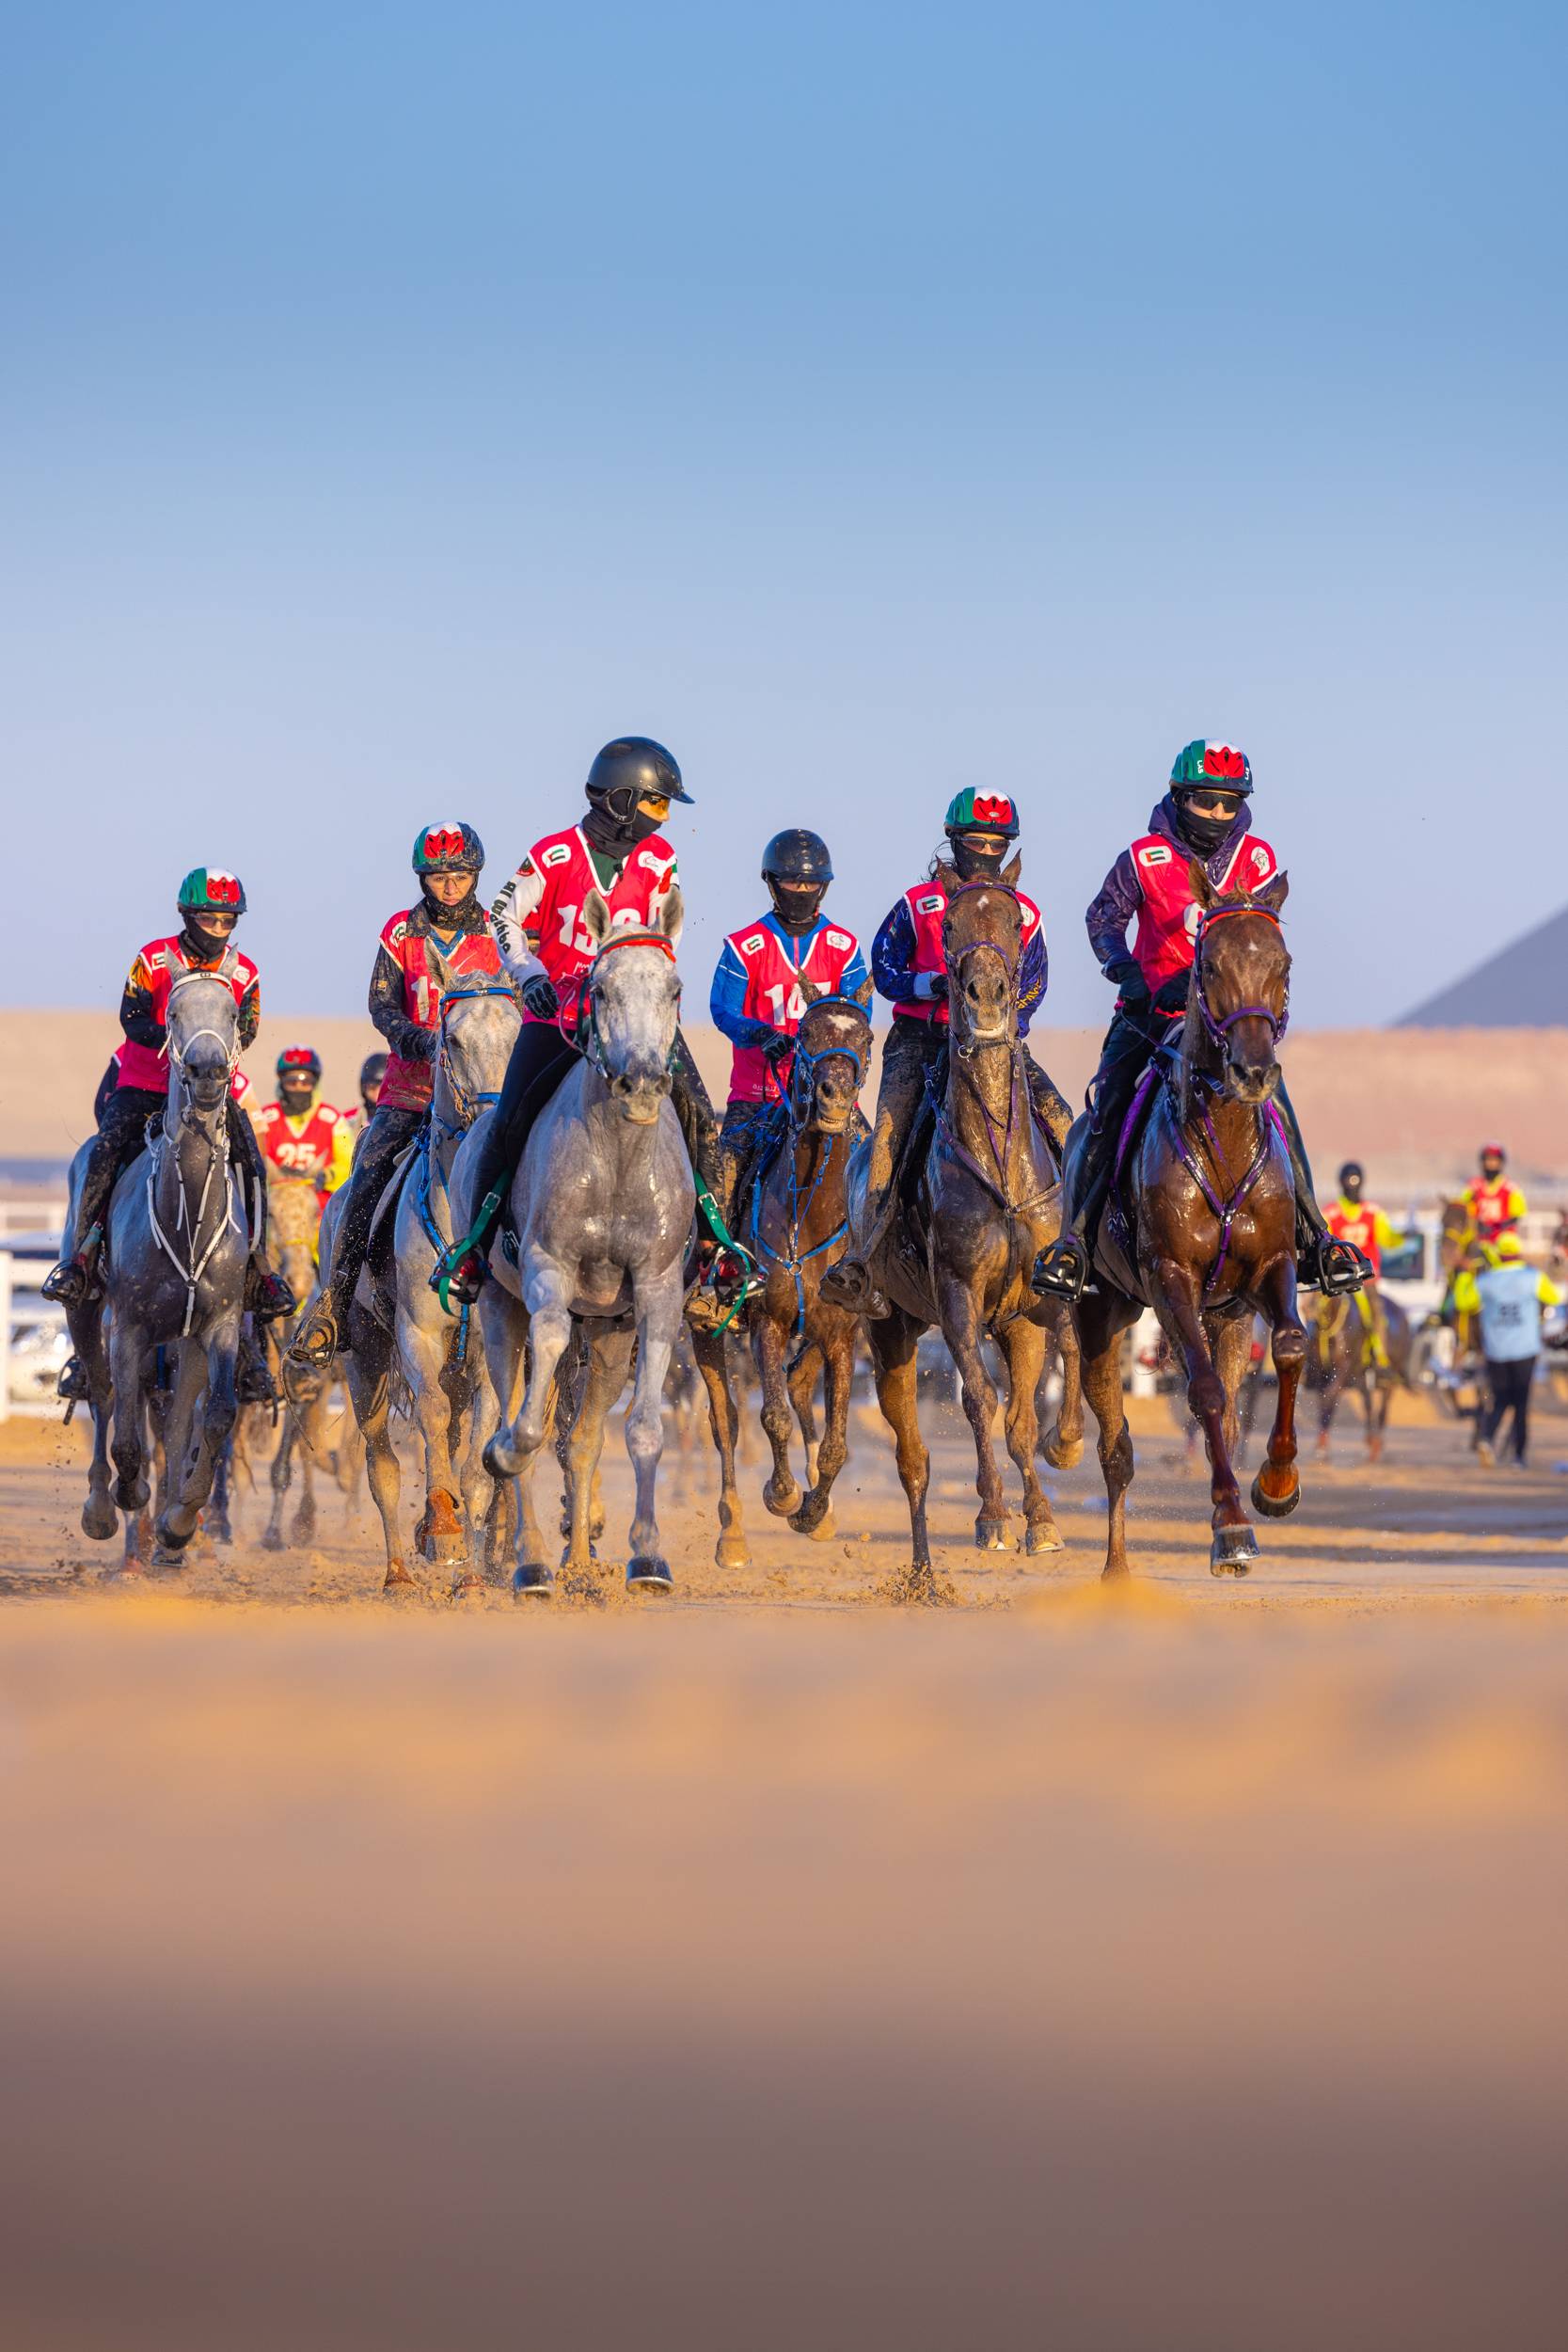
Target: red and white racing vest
{"points": [[408, 1084], [1494, 1207], [773, 994], [307, 1152], [1168, 914], [153, 972], [539, 914], [928, 904]]}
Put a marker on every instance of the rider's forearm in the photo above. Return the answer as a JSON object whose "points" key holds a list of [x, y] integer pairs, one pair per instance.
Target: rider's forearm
{"points": [[1112, 911], [387, 1010], [136, 1020], [892, 959]]}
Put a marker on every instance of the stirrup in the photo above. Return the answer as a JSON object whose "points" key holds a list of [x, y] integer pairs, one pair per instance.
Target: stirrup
{"points": [[1340, 1267], [70, 1283], [71, 1385], [463, 1269], [317, 1340], [722, 1289], [1063, 1268]]}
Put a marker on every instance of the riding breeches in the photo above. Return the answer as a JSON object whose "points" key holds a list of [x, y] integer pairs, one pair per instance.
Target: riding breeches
{"points": [[389, 1131], [119, 1138], [912, 1050], [746, 1129]]}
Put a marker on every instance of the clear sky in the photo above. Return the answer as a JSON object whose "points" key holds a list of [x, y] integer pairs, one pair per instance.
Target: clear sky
{"points": [[397, 401]]}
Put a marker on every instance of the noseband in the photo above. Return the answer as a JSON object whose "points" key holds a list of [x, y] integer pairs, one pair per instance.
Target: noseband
{"points": [[1219, 1026], [230, 1045]]}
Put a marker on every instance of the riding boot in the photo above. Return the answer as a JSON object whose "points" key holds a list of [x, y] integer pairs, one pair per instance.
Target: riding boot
{"points": [[540, 1059], [1322, 1261], [727, 1272], [689, 1098], [268, 1296], [114, 1147]]}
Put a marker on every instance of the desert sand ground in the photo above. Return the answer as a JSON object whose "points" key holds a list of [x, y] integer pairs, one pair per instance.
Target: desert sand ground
{"points": [[770, 1966]]}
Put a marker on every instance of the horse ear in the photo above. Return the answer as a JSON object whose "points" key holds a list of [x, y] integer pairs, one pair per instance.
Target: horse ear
{"points": [[947, 876], [1274, 894], [672, 913], [1203, 889], [438, 967], [1013, 868], [596, 919]]}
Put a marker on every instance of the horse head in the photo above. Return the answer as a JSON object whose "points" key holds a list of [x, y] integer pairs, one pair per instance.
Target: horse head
{"points": [[634, 999], [1239, 994], [982, 932], [477, 1020], [832, 1047], [203, 1044]]}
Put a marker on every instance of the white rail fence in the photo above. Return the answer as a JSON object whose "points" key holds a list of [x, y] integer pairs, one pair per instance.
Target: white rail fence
{"points": [[32, 1340]]}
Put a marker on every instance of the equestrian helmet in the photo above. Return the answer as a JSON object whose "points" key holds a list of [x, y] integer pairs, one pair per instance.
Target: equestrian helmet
{"points": [[299, 1061], [634, 767], [450, 849], [373, 1069], [1351, 1168], [1214, 767], [981, 812], [208, 890], [796, 855]]}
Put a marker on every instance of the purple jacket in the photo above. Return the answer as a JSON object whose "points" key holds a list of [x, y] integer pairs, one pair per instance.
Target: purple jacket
{"points": [[1119, 896]]}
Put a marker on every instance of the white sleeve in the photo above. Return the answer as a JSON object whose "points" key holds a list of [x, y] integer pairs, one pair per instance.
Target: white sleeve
{"points": [[669, 881], [512, 914]]}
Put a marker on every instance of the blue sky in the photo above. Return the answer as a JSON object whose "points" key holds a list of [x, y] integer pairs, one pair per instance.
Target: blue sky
{"points": [[397, 402]]}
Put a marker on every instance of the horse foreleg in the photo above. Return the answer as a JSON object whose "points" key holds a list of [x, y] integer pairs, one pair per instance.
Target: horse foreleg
{"points": [[281, 1476], [1062, 1445], [659, 1308], [836, 1354], [370, 1390], [960, 1325], [604, 1376], [779, 1493], [99, 1515], [1023, 1345], [1100, 1329], [175, 1522], [1234, 1547], [1276, 1488], [129, 1448], [711, 1349], [547, 1292], [503, 1322], [800, 1377], [422, 1351], [894, 1339], [311, 1429]]}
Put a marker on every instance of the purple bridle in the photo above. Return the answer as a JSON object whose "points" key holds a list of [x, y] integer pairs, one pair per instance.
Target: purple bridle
{"points": [[1219, 1028]]}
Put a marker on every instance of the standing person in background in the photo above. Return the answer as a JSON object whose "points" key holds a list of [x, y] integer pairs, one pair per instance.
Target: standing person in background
{"points": [[1508, 1298]]}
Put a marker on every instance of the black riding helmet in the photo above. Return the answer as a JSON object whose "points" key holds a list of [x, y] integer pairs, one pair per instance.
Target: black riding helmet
{"points": [[1352, 1177], [796, 869], [631, 770]]}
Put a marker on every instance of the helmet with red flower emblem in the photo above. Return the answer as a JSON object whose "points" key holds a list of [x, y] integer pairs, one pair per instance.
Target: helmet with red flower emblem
{"points": [[1217, 766], [449, 848], [299, 1061], [208, 890], [970, 811]]}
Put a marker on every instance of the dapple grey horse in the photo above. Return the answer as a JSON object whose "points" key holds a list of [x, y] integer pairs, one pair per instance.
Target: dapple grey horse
{"points": [[178, 1240], [441, 1361], [602, 1205]]}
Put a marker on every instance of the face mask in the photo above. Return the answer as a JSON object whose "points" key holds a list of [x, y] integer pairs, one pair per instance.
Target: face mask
{"points": [[796, 908], [612, 834], [974, 865], [1202, 834], [1352, 1188], [295, 1100], [203, 945]]}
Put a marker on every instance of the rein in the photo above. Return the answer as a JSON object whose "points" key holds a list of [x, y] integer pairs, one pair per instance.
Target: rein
{"points": [[797, 1107]]}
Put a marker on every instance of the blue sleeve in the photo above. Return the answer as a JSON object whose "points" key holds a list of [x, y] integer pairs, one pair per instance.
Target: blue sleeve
{"points": [[1032, 980], [726, 1000], [1110, 914], [893, 956]]}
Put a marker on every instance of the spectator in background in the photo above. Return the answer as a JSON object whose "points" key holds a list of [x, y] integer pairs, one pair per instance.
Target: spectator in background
{"points": [[1508, 1298]]}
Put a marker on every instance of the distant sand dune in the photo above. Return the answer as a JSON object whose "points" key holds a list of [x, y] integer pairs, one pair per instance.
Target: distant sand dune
{"points": [[1412, 1105]]}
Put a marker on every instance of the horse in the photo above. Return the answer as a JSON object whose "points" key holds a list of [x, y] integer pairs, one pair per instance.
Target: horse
{"points": [[601, 1207], [796, 1227], [1205, 1202], [294, 1220], [1344, 1357], [961, 1255], [444, 1374], [176, 1243]]}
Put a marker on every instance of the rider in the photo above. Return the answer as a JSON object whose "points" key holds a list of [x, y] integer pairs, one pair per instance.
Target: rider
{"points": [[767, 974], [1203, 816], [618, 855], [908, 961], [300, 1135], [210, 903], [1354, 1218], [405, 1005], [372, 1072], [1495, 1205]]}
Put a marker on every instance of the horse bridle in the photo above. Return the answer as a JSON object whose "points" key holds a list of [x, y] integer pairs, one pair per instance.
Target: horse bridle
{"points": [[590, 1043], [468, 1105], [1219, 1027], [232, 1047]]}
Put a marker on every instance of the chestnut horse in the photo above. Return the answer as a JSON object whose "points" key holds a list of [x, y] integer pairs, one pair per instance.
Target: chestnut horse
{"points": [[1201, 1222], [961, 1254]]}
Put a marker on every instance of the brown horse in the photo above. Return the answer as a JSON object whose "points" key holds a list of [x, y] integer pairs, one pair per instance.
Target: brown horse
{"points": [[960, 1254], [794, 1225], [1204, 1228]]}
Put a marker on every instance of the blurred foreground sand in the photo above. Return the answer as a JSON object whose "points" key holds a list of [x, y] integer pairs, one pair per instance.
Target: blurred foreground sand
{"points": [[1184, 1969]]}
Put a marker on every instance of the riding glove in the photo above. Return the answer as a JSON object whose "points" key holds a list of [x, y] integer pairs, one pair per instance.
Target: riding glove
{"points": [[540, 998]]}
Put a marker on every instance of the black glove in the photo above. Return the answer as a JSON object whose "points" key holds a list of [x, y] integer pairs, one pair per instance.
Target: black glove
{"points": [[423, 1045], [776, 1047], [1127, 977], [939, 988], [540, 998], [1172, 995]]}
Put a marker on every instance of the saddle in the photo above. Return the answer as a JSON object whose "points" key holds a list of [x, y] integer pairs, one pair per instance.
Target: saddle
{"points": [[377, 1276]]}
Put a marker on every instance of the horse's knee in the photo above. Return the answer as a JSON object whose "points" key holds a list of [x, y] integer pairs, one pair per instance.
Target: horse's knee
{"points": [[1206, 1394]]}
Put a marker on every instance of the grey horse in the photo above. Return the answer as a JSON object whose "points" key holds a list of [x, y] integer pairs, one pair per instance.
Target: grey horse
{"points": [[177, 1240], [602, 1206], [441, 1363]]}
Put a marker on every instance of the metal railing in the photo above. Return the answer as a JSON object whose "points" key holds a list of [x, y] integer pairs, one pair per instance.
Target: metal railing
{"points": [[28, 1366]]}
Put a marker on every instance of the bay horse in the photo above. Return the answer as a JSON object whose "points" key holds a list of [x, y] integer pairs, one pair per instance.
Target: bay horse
{"points": [[794, 1223], [1343, 1357], [602, 1204], [1200, 1224], [960, 1253]]}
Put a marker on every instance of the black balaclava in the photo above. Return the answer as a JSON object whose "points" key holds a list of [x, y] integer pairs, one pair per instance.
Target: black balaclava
{"points": [[1203, 835], [1351, 1181], [450, 918], [295, 1095], [200, 945], [973, 866], [612, 834], [797, 904]]}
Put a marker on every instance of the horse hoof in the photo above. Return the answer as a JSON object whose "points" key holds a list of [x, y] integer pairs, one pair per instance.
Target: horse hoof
{"points": [[991, 1534], [499, 1457], [398, 1583], [1232, 1552], [648, 1574], [467, 1585], [272, 1540], [128, 1572], [1044, 1539], [730, 1553], [221, 1532], [133, 1498], [169, 1538], [1062, 1453], [823, 1532], [532, 1582], [167, 1556], [99, 1518], [787, 1502], [1268, 1506]]}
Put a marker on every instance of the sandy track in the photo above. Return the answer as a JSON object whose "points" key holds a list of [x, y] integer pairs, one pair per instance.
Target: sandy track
{"points": [[777, 1966]]}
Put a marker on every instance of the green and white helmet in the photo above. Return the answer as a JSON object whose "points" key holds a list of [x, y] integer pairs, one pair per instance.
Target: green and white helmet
{"points": [[1219, 765], [208, 890], [970, 811]]}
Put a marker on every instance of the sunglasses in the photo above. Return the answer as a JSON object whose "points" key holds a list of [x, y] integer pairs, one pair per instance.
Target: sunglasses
{"points": [[1224, 803]]}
